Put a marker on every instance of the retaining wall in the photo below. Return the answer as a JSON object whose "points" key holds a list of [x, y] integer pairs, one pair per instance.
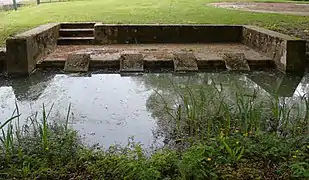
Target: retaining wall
{"points": [[288, 53], [2, 58], [25, 49], [164, 33]]}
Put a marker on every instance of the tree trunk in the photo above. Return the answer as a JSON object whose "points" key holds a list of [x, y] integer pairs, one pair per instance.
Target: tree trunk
{"points": [[15, 5]]}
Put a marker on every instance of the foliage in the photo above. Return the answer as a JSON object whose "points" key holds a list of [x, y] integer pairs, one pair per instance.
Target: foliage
{"points": [[233, 157], [214, 135]]}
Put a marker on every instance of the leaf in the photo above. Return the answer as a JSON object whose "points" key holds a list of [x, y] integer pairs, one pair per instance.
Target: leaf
{"points": [[227, 147], [240, 154], [306, 174], [9, 120]]}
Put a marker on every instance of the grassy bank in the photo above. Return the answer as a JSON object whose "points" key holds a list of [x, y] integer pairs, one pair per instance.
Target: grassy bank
{"points": [[213, 134], [142, 11]]}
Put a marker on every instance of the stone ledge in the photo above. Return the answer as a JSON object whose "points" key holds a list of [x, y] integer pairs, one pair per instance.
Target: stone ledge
{"points": [[287, 52], [165, 33], [36, 31], [25, 49], [2, 58]]}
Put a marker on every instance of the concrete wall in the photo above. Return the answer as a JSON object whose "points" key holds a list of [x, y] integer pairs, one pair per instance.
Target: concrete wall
{"points": [[2, 58], [288, 53], [160, 33], [23, 50]]}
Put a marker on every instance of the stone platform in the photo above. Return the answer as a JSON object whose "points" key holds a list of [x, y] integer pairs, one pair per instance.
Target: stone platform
{"points": [[176, 47], [159, 56]]}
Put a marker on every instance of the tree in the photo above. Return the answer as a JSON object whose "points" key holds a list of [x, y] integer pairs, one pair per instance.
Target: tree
{"points": [[15, 5]]}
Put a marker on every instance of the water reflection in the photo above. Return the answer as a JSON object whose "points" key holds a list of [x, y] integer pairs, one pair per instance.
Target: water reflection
{"points": [[108, 108], [276, 83], [183, 105]]}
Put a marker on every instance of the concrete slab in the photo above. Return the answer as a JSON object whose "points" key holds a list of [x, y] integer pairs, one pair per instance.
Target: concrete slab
{"points": [[77, 63], [2, 58], [158, 57], [287, 52], [184, 62], [236, 62], [165, 33], [131, 63], [209, 44], [26, 49]]}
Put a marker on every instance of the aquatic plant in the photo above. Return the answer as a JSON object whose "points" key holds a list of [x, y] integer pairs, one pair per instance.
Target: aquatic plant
{"points": [[234, 136]]}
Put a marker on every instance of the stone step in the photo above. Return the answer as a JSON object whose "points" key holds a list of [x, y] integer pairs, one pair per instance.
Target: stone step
{"points": [[184, 62], [77, 63], [77, 25], [76, 32], [75, 40], [236, 62], [131, 63]]}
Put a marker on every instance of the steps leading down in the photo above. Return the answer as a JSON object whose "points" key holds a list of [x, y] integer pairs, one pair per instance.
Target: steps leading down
{"points": [[76, 33]]}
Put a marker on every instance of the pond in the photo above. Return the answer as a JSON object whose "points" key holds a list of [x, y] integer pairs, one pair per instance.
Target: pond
{"points": [[110, 108]]}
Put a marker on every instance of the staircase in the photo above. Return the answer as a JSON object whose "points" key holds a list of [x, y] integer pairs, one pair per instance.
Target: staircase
{"points": [[76, 34]]}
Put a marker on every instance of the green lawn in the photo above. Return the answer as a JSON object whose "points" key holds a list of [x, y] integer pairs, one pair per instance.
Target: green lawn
{"points": [[142, 11]]}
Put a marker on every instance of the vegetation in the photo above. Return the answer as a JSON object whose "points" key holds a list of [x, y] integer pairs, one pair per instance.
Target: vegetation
{"points": [[213, 135], [143, 11]]}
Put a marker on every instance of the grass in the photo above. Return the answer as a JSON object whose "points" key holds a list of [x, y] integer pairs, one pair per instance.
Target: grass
{"points": [[214, 134], [142, 11]]}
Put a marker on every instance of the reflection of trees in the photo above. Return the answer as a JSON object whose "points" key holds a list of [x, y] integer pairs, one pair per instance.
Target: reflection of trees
{"points": [[204, 92], [167, 88]]}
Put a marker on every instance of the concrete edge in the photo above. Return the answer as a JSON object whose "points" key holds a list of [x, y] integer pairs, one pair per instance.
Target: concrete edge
{"points": [[36, 30], [285, 60], [172, 25], [31, 46], [2, 58], [165, 33], [158, 65], [270, 32], [288, 53]]}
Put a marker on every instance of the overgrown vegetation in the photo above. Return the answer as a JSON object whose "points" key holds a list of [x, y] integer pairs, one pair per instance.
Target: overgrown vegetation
{"points": [[213, 135]]}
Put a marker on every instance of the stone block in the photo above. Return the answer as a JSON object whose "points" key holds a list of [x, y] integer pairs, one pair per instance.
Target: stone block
{"points": [[2, 58], [105, 34], [25, 49], [77, 63], [131, 63], [287, 52], [184, 62], [209, 61], [236, 62]]}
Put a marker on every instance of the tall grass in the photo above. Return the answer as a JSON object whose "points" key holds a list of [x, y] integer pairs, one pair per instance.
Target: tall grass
{"points": [[207, 110], [13, 136], [44, 150]]}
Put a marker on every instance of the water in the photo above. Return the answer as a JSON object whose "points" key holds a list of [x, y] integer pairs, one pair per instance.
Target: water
{"points": [[110, 108]]}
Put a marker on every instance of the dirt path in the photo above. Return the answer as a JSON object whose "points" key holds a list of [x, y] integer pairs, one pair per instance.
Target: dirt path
{"points": [[281, 8]]}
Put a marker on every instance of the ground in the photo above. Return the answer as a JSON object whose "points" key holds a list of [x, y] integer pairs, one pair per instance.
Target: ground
{"points": [[282, 8], [144, 11]]}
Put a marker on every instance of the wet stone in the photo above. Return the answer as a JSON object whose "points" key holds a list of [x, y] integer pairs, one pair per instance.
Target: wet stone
{"points": [[77, 63], [2, 58], [236, 62], [184, 62], [131, 63]]}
